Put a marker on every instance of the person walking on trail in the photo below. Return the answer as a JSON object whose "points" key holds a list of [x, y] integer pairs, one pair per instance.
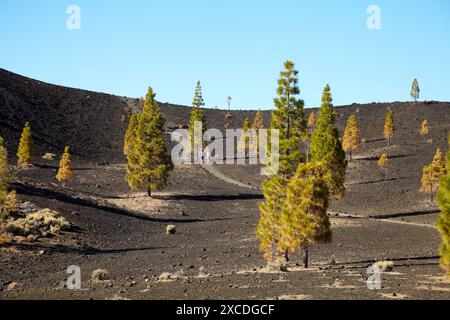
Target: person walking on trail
{"points": [[203, 156]]}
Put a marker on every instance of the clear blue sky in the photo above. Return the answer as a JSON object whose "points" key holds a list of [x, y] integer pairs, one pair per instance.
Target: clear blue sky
{"points": [[235, 47]]}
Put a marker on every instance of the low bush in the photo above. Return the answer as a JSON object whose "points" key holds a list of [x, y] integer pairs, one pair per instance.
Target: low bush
{"points": [[39, 223]]}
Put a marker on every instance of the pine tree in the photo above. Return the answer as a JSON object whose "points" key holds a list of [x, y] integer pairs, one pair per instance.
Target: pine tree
{"points": [[289, 118], [326, 146], [432, 173], [8, 201], [245, 138], [148, 164], [258, 122], [65, 172], [389, 127], [311, 120], [304, 218], [130, 135], [383, 163], [5, 176], [443, 223], [198, 102], [415, 90], [197, 114], [24, 151], [269, 225], [424, 128], [351, 136]]}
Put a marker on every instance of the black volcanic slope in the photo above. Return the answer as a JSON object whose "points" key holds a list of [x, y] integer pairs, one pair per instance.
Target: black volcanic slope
{"points": [[93, 124]]}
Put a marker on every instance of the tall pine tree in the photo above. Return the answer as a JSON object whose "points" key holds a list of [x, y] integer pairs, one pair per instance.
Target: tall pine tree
{"points": [[270, 224], [424, 128], [148, 164], [197, 114], [8, 201], [351, 136], [432, 173], [24, 151], [443, 223], [326, 146], [245, 138], [383, 163], [415, 91], [130, 135], [304, 219], [5, 176], [65, 172], [389, 127], [258, 122], [289, 118]]}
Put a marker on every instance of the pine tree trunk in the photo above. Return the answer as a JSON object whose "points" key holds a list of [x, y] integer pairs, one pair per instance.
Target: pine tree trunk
{"points": [[286, 255], [306, 258], [307, 151], [149, 191]]}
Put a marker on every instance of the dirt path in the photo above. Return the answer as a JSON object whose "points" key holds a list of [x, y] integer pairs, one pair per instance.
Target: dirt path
{"points": [[212, 170]]}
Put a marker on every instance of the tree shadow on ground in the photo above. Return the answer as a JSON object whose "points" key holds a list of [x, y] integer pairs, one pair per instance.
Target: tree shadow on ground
{"points": [[211, 198], [367, 263], [55, 195], [85, 250], [376, 158], [380, 181], [404, 214]]}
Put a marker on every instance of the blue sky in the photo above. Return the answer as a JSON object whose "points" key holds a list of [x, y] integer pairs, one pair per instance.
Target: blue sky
{"points": [[234, 47]]}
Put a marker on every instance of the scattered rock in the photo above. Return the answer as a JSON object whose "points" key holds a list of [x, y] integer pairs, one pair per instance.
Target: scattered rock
{"points": [[171, 229], [165, 276], [99, 275], [278, 265], [12, 286]]}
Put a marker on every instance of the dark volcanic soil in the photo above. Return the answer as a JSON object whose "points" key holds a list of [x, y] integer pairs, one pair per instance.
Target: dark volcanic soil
{"points": [[214, 253]]}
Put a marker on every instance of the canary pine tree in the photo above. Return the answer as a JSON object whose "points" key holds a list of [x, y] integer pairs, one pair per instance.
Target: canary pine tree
{"points": [[148, 164], [312, 120], [389, 127], [289, 118], [383, 163], [424, 128], [245, 138], [24, 151], [269, 226], [351, 136], [65, 172], [258, 122], [432, 173], [415, 91], [8, 201], [130, 135], [197, 113], [443, 223], [310, 130], [5, 176], [326, 146], [304, 219]]}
